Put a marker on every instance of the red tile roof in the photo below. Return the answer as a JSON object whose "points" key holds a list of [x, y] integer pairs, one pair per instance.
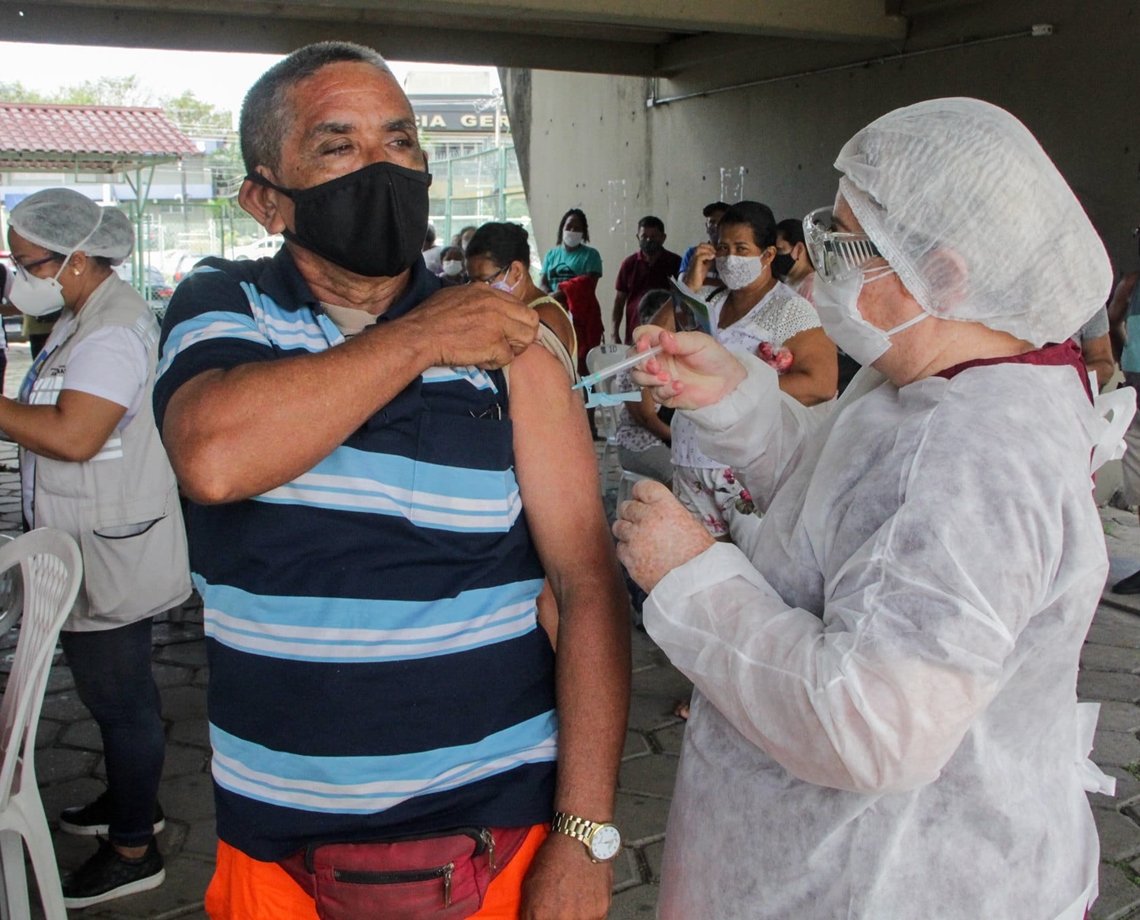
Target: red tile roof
{"points": [[90, 138]]}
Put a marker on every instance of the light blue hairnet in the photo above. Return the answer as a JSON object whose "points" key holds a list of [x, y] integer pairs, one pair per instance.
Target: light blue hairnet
{"points": [[979, 224], [63, 220]]}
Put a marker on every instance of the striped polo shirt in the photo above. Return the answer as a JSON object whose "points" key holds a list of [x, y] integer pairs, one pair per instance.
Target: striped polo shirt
{"points": [[376, 668]]}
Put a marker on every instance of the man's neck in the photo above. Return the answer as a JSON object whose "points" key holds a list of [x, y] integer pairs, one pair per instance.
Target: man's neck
{"points": [[332, 284]]}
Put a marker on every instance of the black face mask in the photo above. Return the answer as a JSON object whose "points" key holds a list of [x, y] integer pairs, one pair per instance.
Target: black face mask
{"points": [[782, 264], [649, 247], [371, 221]]}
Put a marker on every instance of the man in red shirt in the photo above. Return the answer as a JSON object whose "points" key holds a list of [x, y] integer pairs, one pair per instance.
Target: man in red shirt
{"points": [[650, 267]]}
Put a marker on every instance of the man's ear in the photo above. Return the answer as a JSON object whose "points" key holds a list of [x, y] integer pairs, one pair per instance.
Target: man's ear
{"points": [[261, 203]]}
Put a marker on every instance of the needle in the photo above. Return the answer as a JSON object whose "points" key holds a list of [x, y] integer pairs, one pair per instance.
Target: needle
{"points": [[632, 359]]}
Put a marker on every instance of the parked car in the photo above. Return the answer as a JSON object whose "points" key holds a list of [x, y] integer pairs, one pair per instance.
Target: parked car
{"points": [[156, 291], [184, 264], [260, 249]]}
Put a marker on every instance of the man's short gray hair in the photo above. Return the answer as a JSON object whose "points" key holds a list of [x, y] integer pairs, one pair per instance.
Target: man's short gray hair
{"points": [[264, 114]]}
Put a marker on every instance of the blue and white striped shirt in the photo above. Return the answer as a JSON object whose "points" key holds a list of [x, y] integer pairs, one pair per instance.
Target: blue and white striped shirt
{"points": [[376, 668]]}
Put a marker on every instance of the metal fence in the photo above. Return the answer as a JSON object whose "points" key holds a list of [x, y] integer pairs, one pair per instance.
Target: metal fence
{"points": [[473, 189], [465, 190]]}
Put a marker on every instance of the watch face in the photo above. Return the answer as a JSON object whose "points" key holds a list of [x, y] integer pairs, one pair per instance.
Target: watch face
{"points": [[605, 843]]}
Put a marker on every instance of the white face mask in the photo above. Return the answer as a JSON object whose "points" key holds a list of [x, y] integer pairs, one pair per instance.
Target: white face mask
{"points": [[453, 268], [36, 296], [836, 302], [571, 239], [739, 271]]}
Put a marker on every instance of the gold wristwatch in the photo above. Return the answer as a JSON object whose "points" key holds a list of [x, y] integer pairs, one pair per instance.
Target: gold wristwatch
{"points": [[602, 841]]}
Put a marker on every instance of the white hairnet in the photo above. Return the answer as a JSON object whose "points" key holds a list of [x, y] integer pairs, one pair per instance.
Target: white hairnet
{"points": [[969, 210], [63, 220]]}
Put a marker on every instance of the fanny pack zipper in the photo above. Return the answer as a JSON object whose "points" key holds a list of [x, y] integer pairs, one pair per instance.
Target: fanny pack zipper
{"points": [[353, 877]]}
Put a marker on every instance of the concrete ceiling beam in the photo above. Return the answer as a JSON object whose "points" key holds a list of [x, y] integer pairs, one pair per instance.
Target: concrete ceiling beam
{"points": [[277, 34]]}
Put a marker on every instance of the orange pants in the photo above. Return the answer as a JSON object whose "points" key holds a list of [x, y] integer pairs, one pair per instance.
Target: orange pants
{"points": [[244, 888]]}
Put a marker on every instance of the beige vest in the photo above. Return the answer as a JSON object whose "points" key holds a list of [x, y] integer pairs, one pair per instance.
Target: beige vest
{"points": [[121, 505]]}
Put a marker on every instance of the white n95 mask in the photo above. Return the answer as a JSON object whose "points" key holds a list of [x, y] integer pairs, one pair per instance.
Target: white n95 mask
{"points": [[738, 271], [836, 302], [572, 239], [36, 296]]}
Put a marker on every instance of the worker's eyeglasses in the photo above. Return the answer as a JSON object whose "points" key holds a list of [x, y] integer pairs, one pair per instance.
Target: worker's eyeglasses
{"points": [[835, 254], [22, 267]]}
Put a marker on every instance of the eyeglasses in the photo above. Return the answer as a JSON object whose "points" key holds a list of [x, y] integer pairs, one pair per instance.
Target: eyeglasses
{"points": [[490, 279], [835, 254], [22, 267]]}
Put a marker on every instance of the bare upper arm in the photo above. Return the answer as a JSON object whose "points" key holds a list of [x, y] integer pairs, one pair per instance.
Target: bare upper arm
{"points": [[559, 323], [814, 355], [1118, 303], [556, 469]]}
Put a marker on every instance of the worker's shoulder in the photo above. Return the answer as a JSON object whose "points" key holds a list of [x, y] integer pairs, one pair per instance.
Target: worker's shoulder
{"points": [[1026, 413]]}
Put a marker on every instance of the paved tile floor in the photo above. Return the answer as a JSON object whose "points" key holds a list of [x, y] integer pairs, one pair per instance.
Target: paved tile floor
{"points": [[69, 764]]}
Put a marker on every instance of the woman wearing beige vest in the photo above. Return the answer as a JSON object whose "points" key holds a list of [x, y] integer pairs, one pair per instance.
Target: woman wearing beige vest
{"points": [[91, 464]]}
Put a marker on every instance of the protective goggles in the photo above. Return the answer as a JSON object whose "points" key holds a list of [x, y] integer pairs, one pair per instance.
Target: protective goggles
{"points": [[837, 255]]}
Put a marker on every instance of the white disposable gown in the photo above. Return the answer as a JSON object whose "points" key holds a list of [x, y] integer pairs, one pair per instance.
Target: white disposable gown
{"points": [[885, 724]]}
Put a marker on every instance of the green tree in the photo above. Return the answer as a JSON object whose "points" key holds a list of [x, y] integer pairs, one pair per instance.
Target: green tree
{"points": [[17, 92], [188, 111], [106, 91], [100, 91]]}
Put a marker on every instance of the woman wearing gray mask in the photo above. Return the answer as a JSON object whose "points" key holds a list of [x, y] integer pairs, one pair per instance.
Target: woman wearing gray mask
{"points": [[91, 464], [886, 723]]}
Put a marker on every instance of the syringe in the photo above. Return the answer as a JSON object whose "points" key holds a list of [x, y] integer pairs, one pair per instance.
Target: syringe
{"points": [[633, 357]]}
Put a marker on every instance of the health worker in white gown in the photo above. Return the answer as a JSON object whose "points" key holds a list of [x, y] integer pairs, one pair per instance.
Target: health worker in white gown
{"points": [[885, 724]]}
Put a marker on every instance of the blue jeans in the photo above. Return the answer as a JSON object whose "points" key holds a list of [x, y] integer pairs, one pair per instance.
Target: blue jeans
{"points": [[113, 679]]}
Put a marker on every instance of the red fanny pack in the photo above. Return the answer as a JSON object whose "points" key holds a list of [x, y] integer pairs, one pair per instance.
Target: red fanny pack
{"points": [[444, 877]]}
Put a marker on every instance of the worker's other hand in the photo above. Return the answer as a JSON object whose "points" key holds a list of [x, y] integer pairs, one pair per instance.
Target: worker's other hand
{"points": [[656, 534]]}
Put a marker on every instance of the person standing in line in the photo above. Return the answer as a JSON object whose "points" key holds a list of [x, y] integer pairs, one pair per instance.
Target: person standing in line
{"points": [[712, 213], [753, 310], [453, 268], [570, 257], [651, 267], [92, 464]]}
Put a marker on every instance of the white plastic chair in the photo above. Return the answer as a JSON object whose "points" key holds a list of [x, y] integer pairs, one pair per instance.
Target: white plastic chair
{"points": [[11, 603], [606, 417], [50, 571]]}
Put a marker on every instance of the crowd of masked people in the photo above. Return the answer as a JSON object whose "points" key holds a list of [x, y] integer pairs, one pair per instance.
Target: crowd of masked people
{"points": [[871, 543], [755, 278]]}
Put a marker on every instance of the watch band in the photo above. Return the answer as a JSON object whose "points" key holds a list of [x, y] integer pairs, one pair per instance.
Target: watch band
{"points": [[573, 826], [601, 840]]}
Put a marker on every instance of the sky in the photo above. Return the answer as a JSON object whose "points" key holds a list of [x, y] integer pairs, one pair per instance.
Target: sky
{"points": [[220, 78]]}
